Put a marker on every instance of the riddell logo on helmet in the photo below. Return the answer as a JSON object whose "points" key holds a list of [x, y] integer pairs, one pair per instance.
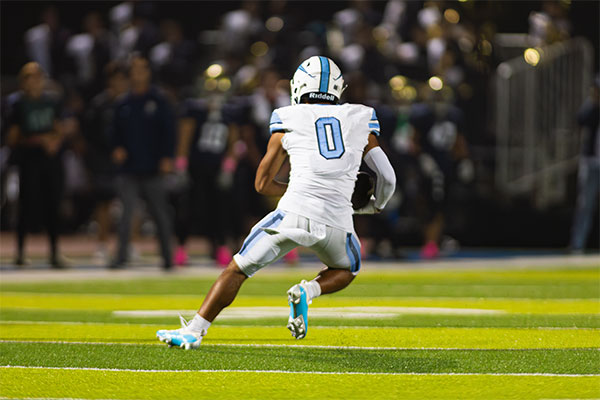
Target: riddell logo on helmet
{"points": [[321, 96]]}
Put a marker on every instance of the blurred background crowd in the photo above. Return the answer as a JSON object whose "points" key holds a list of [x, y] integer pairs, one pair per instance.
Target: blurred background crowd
{"points": [[488, 111]]}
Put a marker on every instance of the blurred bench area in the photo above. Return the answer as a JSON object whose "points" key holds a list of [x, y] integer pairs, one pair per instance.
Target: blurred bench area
{"points": [[488, 112]]}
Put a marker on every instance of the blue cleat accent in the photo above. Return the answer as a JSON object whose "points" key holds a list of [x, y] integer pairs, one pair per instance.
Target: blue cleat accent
{"points": [[183, 337], [298, 320], [181, 340]]}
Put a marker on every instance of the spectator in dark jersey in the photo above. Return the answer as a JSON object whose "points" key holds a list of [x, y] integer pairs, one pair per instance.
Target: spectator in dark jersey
{"points": [[36, 138], [143, 139], [206, 135], [442, 156]]}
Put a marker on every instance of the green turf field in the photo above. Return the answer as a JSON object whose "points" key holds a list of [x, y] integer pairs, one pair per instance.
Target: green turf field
{"points": [[410, 333]]}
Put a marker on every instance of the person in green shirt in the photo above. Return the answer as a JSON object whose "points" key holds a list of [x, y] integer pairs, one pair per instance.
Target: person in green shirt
{"points": [[35, 136]]}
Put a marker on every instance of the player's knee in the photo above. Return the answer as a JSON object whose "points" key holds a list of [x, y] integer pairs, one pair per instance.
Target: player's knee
{"points": [[234, 269], [342, 276]]}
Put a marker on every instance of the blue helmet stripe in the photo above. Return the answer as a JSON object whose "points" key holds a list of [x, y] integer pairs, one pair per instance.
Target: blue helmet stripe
{"points": [[324, 85]]}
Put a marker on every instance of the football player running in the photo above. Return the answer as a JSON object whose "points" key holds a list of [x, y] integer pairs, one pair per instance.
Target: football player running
{"points": [[325, 142]]}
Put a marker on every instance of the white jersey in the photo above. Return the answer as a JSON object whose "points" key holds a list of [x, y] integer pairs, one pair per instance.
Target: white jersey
{"points": [[325, 144]]}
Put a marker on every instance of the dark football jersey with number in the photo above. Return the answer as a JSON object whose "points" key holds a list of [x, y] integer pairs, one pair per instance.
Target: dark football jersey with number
{"points": [[438, 131], [211, 136], [35, 116]]}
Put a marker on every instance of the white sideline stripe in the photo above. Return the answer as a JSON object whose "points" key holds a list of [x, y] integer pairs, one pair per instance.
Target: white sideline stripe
{"points": [[316, 312], [275, 371], [71, 398], [24, 322], [541, 328], [376, 298], [293, 346]]}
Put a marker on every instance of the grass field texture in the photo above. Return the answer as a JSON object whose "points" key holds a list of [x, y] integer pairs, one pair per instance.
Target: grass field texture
{"points": [[409, 333]]}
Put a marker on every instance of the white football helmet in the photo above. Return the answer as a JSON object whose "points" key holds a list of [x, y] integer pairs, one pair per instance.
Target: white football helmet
{"points": [[320, 77]]}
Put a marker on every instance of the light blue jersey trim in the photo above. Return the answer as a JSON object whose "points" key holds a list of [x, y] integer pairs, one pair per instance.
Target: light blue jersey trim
{"points": [[275, 119], [324, 85], [276, 124], [374, 126]]}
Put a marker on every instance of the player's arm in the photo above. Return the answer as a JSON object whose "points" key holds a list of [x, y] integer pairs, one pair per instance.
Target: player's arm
{"points": [[185, 133], [376, 159], [54, 139], [50, 140], [13, 136], [265, 182]]}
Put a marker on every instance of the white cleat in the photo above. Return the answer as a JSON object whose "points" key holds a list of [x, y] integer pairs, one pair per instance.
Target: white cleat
{"points": [[297, 327], [298, 320], [183, 337]]}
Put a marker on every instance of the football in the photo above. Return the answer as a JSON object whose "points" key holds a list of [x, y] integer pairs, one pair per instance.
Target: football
{"points": [[363, 189]]}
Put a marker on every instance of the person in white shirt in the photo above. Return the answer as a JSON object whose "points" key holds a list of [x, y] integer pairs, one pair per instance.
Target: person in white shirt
{"points": [[326, 143]]}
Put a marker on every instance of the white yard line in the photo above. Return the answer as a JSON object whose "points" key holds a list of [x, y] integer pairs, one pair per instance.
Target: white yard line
{"points": [[302, 346], [541, 262], [317, 312], [300, 372], [78, 323], [267, 297], [68, 398], [542, 328]]}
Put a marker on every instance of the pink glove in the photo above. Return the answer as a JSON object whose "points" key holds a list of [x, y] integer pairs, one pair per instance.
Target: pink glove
{"points": [[228, 164], [181, 164]]}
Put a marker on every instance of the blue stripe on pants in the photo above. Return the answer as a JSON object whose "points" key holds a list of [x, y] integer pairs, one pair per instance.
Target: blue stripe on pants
{"points": [[355, 245], [353, 251], [252, 238]]}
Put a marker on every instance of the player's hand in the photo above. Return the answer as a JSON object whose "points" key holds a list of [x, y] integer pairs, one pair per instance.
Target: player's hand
{"points": [[465, 171], [52, 146], [165, 166], [119, 155], [181, 164], [50, 143]]}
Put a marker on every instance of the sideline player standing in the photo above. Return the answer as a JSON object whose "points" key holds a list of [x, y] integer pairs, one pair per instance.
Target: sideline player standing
{"points": [[36, 135], [326, 143], [143, 143]]}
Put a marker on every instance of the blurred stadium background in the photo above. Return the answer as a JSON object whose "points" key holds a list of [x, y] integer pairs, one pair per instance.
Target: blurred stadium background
{"points": [[487, 111], [488, 90]]}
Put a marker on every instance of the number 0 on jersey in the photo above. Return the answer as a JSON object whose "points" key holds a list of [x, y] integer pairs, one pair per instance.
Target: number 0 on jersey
{"points": [[329, 137]]}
